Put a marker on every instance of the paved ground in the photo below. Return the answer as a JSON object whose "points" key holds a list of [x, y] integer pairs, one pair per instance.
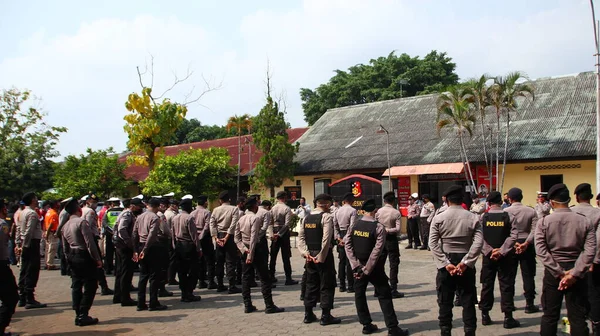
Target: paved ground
{"points": [[223, 314]]}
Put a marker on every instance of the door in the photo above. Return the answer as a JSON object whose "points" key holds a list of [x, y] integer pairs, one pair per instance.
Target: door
{"points": [[547, 181]]}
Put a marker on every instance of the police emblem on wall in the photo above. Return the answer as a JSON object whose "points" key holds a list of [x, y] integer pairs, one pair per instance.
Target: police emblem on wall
{"points": [[363, 187], [356, 189]]}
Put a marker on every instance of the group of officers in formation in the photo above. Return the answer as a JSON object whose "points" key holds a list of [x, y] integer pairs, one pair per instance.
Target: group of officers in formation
{"points": [[165, 237]]}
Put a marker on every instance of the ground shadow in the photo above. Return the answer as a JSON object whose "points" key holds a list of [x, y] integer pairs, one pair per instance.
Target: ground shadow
{"points": [[90, 332], [144, 319]]}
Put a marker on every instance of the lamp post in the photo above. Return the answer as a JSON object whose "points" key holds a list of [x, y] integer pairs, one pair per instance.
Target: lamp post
{"points": [[597, 43], [382, 130], [402, 81]]}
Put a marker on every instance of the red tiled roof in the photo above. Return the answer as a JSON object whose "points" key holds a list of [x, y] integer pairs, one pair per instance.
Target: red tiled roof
{"points": [[138, 173]]}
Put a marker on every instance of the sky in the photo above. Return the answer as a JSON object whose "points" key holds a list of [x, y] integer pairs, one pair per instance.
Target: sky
{"points": [[80, 57]]}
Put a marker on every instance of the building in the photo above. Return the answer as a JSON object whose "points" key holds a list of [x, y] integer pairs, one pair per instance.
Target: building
{"points": [[552, 140]]}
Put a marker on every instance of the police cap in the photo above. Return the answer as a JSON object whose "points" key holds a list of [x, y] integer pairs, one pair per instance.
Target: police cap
{"points": [[515, 194], [559, 193], [266, 203], [185, 202], [154, 202], [494, 197], [250, 202], [174, 201], [281, 194], [426, 196], [349, 197], [584, 189], [202, 199], [136, 202], [224, 195], [324, 197], [369, 205], [163, 200], [453, 190]]}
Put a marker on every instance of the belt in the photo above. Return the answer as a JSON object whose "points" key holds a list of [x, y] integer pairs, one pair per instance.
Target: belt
{"points": [[455, 258], [221, 235]]}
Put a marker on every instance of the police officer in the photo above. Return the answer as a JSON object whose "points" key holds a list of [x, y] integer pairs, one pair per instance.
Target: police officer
{"points": [[238, 268], [123, 241], [166, 228], [90, 215], [206, 269], [455, 240], [151, 254], [63, 218], [252, 242], [364, 246], [223, 221], [172, 210], [499, 238], [108, 225], [84, 258], [187, 249], [343, 219], [391, 220], [565, 242], [542, 208], [9, 293], [583, 195], [315, 239], [282, 218], [526, 219]]}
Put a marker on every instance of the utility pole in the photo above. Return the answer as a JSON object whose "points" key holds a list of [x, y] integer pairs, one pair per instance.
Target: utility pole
{"points": [[597, 54]]}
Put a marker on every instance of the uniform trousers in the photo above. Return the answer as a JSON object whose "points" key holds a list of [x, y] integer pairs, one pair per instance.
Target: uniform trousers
{"points": [[260, 263], [109, 253], [9, 295], [30, 269], [576, 301], [527, 262], [344, 269], [123, 274], [379, 280], [84, 280], [282, 243], [593, 280], [100, 271], [151, 270], [51, 249], [227, 257], [172, 263], [207, 262], [187, 259], [64, 265], [505, 269], [392, 250], [446, 286], [424, 230], [413, 231], [320, 279]]}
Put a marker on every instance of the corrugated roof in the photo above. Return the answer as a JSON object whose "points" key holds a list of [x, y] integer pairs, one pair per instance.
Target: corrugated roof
{"points": [[138, 173], [559, 124]]}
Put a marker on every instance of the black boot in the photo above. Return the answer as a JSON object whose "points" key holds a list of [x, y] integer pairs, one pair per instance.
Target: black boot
{"points": [[369, 329], [202, 285], [342, 287], [273, 309], [249, 308], [485, 318], [398, 332], [106, 291], [33, 304], [22, 300], [164, 293], [510, 322], [530, 307], [291, 282], [446, 331], [409, 247], [234, 290], [309, 315], [327, 318], [86, 320], [469, 332], [212, 285]]}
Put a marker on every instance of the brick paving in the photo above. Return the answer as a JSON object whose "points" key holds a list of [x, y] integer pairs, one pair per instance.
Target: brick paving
{"points": [[223, 314]]}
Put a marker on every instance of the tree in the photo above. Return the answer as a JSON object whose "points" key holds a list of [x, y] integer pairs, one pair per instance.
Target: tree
{"points": [[455, 111], [28, 144], [97, 171], [481, 100], [194, 171], [239, 124], [382, 79]]}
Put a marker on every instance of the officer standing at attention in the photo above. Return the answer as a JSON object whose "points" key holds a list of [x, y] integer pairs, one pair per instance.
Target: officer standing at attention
{"points": [[89, 214], [315, 239], [9, 293], [108, 225], [565, 242], [583, 195], [542, 208], [63, 218], [499, 238], [84, 258], [207, 261], [187, 249], [173, 209], [335, 206], [343, 219], [166, 229], [151, 254], [426, 216], [282, 218], [526, 219], [252, 243], [364, 246], [223, 221], [391, 220], [238, 265], [455, 240]]}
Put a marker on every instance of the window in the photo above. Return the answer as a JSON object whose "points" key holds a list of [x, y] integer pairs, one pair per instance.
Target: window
{"points": [[547, 181], [322, 186], [298, 182]]}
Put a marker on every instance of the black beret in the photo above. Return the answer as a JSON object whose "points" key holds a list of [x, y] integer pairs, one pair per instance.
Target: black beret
{"points": [[250, 202], [515, 193], [241, 199], [224, 195], [136, 201], [164, 200], [453, 190], [324, 197], [174, 202], [494, 197], [348, 196], [202, 199], [28, 198], [154, 202], [266, 203], [281, 194], [426, 196], [559, 192], [584, 188], [185, 202], [389, 194], [369, 205]]}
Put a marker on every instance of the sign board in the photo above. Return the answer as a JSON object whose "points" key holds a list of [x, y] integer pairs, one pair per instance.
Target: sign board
{"points": [[403, 190], [361, 186]]}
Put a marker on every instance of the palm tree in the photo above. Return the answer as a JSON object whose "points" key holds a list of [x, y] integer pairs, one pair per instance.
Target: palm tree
{"points": [[455, 110], [239, 124], [480, 91]]}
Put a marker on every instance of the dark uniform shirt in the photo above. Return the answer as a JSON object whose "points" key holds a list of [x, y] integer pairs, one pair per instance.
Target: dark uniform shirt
{"points": [[380, 235], [125, 224], [509, 242], [202, 217], [247, 233], [77, 235], [326, 243], [343, 219], [593, 214], [91, 217], [146, 231], [184, 229]]}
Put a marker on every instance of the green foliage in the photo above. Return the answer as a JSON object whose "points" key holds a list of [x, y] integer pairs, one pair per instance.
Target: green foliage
{"points": [[191, 172], [150, 126], [380, 80], [28, 144], [97, 171], [271, 138]]}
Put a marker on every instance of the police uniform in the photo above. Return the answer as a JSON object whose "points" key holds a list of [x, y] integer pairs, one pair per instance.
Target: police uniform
{"points": [[456, 239], [364, 245], [123, 241], [251, 241], [526, 219], [9, 293], [84, 258], [315, 240], [499, 236], [147, 238], [426, 216], [343, 219], [282, 218], [63, 218], [108, 225], [542, 209], [223, 221], [206, 269], [391, 220], [187, 249], [90, 215], [584, 193], [565, 242], [171, 263]]}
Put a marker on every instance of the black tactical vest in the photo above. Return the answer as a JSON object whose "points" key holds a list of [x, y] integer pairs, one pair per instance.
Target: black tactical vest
{"points": [[363, 238], [313, 231], [496, 228]]}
